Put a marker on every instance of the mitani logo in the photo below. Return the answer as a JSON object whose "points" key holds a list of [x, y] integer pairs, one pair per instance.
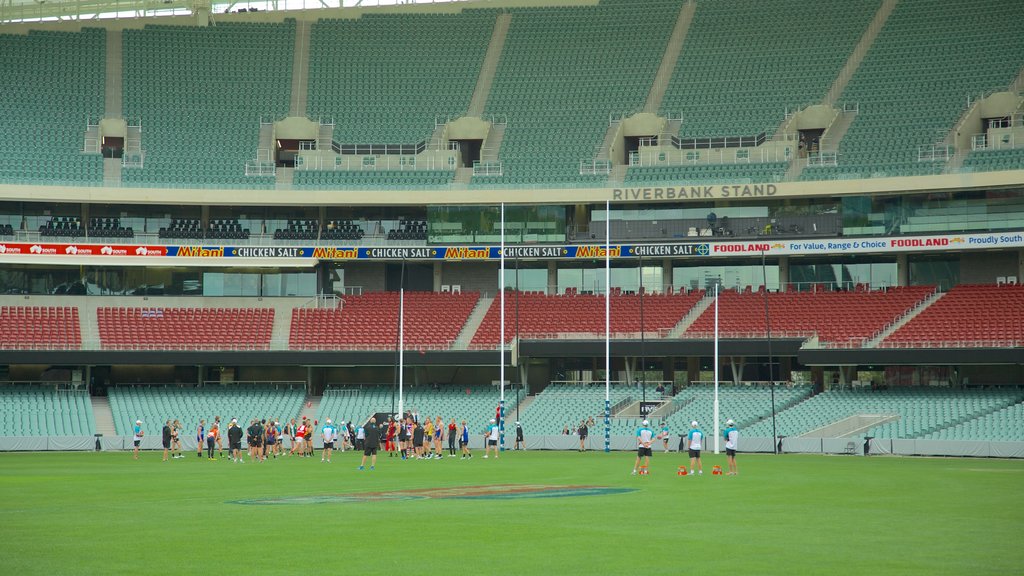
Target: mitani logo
{"points": [[495, 492]]}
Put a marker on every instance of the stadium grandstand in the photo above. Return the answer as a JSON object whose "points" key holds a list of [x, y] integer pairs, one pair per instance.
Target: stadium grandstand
{"points": [[580, 212]]}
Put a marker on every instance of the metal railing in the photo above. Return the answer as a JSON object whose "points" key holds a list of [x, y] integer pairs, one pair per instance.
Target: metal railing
{"points": [[931, 152], [595, 167]]}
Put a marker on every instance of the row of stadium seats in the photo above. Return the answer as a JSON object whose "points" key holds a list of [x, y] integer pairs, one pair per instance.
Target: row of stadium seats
{"points": [[371, 321], [982, 315], [462, 403], [156, 404], [929, 413], [543, 316], [967, 313], [42, 410], [840, 317]]}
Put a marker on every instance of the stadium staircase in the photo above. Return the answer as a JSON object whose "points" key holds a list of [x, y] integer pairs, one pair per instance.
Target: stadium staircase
{"points": [[88, 324], [300, 70], [490, 64], [669, 59], [310, 407], [706, 302], [112, 103], [103, 416], [476, 317], [910, 315]]}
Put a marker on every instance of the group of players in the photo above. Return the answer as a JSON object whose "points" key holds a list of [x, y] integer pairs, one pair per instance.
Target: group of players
{"points": [[407, 438], [693, 441]]}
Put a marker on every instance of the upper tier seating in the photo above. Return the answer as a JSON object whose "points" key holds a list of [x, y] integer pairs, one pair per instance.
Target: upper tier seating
{"points": [[742, 66], [185, 328], [200, 94], [562, 72], [985, 160], [155, 404], [967, 315], [845, 318], [543, 316], [40, 328], [385, 78], [52, 83], [433, 321], [61, 227], [106, 227], [42, 410], [913, 82]]}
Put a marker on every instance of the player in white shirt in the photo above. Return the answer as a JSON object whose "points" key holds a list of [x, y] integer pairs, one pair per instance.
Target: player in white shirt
{"points": [[732, 442], [329, 433], [644, 437], [695, 441], [492, 438]]}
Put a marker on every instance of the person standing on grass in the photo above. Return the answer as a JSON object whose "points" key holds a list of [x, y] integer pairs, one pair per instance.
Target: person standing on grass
{"points": [[211, 440], [308, 440], [270, 442], [491, 439], [389, 437], [298, 432], [137, 434], [428, 437], [665, 435], [328, 432], [644, 437], [371, 443], [695, 441], [176, 429], [453, 433], [235, 441], [220, 446], [583, 431], [520, 443], [417, 440], [732, 441], [464, 441], [165, 438], [200, 438], [438, 437]]}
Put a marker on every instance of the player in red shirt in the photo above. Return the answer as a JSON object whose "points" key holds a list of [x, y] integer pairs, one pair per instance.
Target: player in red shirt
{"points": [[389, 438]]}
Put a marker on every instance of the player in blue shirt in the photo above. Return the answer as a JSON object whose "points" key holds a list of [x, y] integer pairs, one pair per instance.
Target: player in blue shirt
{"points": [[644, 437], [464, 441], [732, 441], [695, 441]]}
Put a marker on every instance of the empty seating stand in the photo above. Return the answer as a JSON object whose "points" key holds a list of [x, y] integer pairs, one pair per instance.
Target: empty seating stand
{"points": [[44, 410], [967, 316], [844, 318], [40, 328], [185, 328], [554, 316], [370, 321]]}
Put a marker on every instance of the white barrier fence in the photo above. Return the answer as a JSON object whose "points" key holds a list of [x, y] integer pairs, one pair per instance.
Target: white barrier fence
{"points": [[855, 446]]}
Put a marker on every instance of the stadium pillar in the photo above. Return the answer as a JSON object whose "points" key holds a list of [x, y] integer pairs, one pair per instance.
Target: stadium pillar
{"points": [[552, 278], [437, 275], [1020, 265], [902, 270], [783, 272], [666, 275]]}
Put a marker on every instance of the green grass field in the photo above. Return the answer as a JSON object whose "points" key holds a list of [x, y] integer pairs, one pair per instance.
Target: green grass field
{"points": [[88, 513]]}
